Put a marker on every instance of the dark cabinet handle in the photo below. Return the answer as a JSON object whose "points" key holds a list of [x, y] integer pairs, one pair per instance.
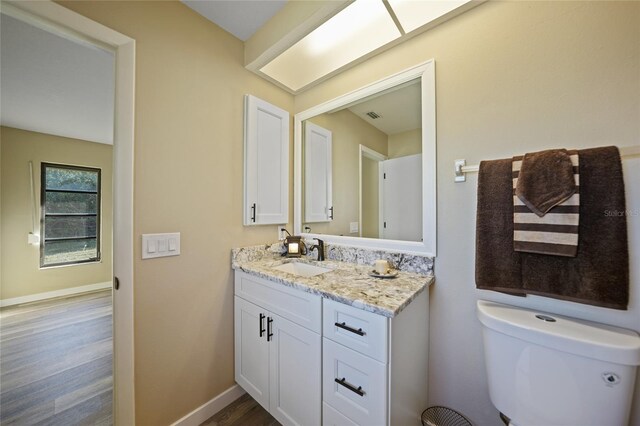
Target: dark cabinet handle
{"points": [[349, 386], [269, 333], [253, 212], [344, 326], [116, 283], [331, 214], [261, 327]]}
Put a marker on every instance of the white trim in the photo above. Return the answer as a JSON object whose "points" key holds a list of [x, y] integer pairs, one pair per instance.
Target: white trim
{"points": [[373, 155], [53, 294], [208, 409], [426, 73], [55, 17]]}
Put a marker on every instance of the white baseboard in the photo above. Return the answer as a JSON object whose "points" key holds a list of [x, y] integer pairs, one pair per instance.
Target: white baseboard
{"points": [[55, 293], [208, 409]]}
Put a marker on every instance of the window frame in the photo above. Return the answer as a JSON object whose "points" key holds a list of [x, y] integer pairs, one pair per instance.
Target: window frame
{"points": [[43, 213]]}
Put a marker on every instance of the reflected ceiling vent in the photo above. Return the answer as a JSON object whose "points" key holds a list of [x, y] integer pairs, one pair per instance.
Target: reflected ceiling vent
{"points": [[372, 115]]}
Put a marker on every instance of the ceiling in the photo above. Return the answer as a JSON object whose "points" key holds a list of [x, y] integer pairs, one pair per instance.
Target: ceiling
{"points": [[242, 18], [398, 108], [53, 85]]}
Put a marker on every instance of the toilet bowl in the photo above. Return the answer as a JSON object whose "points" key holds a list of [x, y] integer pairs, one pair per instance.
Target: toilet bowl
{"points": [[544, 369]]}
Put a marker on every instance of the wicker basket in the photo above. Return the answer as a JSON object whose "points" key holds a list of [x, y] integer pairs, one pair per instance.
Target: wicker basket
{"points": [[443, 416]]}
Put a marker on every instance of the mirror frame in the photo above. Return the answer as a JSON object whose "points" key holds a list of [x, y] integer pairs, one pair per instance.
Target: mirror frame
{"points": [[426, 72]]}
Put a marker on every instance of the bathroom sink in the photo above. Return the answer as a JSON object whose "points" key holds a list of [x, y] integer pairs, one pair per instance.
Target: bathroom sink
{"points": [[301, 269]]}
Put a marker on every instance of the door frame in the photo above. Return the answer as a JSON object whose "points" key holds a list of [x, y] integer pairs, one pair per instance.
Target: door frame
{"points": [[66, 23], [366, 152]]}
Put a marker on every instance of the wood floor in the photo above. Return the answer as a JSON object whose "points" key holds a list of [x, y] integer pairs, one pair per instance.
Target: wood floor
{"points": [[56, 362], [244, 411]]}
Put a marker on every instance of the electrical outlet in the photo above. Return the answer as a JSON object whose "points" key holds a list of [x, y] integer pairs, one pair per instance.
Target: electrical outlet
{"points": [[353, 227], [282, 234], [33, 239]]}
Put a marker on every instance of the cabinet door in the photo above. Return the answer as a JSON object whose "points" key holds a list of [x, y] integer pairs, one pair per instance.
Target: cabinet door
{"points": [[266, 163], [318, 205], [295, 384], [251, 350]]}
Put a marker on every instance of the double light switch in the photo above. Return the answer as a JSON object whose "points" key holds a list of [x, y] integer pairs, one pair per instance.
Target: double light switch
{"points": [[160, 245]]}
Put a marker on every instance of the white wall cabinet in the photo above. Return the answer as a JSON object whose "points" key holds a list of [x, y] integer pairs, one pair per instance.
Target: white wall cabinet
{"points": [[266, 163], [365, 369], [273, 354], [318, 204]]}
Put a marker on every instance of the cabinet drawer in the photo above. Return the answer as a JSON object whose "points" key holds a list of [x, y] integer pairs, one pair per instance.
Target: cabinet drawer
{"points": [[361, 394], [302, 308], [360, 330], [332, 417]]}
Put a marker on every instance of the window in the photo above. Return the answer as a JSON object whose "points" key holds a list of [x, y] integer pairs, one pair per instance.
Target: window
{"points": [[70, 215]]}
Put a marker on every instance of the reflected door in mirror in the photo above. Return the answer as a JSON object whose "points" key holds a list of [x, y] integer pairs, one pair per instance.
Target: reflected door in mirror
{"points": [[401, 198]]}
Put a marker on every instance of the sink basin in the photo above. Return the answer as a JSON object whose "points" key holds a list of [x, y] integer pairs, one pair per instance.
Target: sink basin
{"points": [[301, 269]]}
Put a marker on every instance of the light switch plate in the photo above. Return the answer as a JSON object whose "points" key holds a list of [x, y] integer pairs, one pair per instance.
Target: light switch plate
{"points": [[160, 245]]}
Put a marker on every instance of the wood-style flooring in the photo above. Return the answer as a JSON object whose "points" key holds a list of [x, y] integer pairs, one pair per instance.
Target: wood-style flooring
{"points": [[244, 411], [56, 362]]}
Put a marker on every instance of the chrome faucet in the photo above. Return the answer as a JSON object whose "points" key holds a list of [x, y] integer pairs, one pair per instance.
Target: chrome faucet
{"points": [[320, 248]]}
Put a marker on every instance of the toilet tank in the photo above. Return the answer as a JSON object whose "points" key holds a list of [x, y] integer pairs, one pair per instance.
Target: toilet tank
{"points": [[544, 369]]}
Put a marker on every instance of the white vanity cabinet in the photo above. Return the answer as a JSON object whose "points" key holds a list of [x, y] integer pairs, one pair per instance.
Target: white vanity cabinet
{"points": [[310, 360], [278, 348]]}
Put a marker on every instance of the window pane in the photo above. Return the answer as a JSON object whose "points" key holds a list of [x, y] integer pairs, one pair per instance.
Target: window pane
{"points": [[56, 252], [64, 227], [71, 202], [76, 180]]}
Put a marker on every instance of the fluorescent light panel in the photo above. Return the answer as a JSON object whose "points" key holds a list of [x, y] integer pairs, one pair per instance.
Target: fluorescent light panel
{"points": [[413, 14], [360, 28]]}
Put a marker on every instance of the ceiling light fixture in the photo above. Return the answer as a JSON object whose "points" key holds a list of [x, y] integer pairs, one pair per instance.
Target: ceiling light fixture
{"points": [[413, 14], [357, 30], [362, 27]]}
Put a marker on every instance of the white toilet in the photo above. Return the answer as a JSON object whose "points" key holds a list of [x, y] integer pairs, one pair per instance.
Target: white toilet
{"points": [[544, 369]]}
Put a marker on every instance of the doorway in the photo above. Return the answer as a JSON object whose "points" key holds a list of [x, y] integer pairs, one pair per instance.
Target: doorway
{"points": [[59, 20], [370, 201]]}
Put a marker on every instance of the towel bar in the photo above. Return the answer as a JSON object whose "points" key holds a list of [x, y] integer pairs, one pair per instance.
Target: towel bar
{"points": [[461, 168]]}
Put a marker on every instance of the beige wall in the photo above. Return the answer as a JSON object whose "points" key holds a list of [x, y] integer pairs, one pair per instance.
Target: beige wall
{"points": [[190, 84], [513, 77], [21, 273], [348, 132], [405, 143]]}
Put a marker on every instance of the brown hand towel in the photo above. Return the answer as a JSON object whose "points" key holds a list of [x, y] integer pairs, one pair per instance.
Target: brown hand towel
{"points": [[555, 233], [545, 180]]}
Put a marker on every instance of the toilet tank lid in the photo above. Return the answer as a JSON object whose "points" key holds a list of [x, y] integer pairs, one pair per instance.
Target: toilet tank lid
{"points": [[582, 338]]}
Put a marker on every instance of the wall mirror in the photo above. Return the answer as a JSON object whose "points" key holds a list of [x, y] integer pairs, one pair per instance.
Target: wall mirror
{"points": [[365, 165]]}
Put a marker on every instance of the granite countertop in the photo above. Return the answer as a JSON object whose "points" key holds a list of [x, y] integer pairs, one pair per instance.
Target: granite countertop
{"points": [[347, 283]]}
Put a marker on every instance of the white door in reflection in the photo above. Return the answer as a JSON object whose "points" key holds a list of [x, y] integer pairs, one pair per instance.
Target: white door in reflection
{"points": [[401, 198]]}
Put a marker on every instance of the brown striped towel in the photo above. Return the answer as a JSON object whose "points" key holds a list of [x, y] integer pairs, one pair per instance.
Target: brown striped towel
{"points": [[555, 233]]}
